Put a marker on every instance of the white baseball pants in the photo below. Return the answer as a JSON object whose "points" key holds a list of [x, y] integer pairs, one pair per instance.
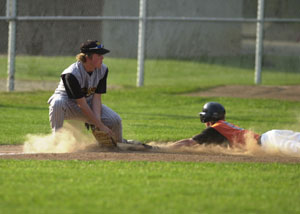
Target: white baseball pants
{"points": [[284, 141], [62, 108]]}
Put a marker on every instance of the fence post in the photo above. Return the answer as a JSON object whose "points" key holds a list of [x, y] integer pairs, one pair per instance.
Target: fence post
{"points": [[259, 41], [11, 13], [141, 43]]}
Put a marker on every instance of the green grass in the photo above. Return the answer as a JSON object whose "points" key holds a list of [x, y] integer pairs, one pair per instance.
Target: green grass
{"points": [[169, 73], [36, 68], [147, 187], [159, 111], [171, 117], [21, 114]]}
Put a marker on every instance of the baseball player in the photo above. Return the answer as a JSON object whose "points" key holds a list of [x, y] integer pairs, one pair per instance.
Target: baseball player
{"points": [[220, 132], [78, 95]]}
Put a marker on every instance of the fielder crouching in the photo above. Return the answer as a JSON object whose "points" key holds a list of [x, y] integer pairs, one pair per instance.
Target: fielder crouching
{"points": [[78, 95], [220, 132]]}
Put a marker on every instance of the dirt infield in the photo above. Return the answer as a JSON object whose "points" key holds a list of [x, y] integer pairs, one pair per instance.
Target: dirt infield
{"points": [[291, 93], [15, 152]]}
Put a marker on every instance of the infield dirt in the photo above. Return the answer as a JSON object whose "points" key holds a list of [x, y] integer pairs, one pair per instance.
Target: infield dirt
{"points": [[15, 152]]}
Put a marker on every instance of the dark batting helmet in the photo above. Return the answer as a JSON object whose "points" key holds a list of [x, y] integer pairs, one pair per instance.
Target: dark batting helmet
{"points": [[212, 112]]}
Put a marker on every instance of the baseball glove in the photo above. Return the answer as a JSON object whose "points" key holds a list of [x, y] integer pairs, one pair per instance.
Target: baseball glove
{"points": [[103, 139]]}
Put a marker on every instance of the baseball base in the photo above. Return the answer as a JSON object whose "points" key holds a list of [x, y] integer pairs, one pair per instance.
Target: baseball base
{"points": [[135, 146]]}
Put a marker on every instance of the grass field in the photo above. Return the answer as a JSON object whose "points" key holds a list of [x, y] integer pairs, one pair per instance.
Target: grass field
{"points": [[157, 112], [147, 187]]}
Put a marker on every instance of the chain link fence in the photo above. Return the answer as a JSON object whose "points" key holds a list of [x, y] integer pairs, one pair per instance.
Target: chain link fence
{"points": [[213, 31]]}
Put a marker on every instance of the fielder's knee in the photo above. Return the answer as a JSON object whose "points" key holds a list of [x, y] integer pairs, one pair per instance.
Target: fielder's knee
{"points": [[116, 121]]}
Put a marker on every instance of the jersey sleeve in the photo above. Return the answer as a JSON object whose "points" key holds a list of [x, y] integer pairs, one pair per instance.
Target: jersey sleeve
{"points": [[72, 86], [210, 136], [101, 87]]}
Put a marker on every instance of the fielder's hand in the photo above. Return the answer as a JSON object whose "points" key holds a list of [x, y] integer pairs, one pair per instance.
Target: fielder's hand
{"points": [[104, 139]]}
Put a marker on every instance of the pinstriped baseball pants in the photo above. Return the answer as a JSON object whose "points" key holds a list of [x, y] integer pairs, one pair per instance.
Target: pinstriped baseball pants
{"points": [[62, 108]]}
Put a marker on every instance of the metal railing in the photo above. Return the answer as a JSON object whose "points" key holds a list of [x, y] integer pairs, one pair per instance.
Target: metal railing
{"points": [[12, 18]]}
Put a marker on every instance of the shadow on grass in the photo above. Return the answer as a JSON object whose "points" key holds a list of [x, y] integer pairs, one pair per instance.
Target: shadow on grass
{"points": [[24, 107]]}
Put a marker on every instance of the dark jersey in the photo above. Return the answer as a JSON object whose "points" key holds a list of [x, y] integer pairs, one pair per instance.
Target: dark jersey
{"points": [[210, 136], [222, 131], [74, 90]]}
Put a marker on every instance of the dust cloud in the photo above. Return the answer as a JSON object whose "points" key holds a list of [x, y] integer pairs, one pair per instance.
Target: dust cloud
{"points": [[251, 148], [71, 138], [204, 149]]}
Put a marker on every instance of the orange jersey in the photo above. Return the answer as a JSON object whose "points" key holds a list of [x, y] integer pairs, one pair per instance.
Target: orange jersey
{"points": [[234, 134]]}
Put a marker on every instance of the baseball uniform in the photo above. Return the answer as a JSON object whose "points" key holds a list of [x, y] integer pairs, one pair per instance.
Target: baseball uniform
{"points": [[76, 83]]}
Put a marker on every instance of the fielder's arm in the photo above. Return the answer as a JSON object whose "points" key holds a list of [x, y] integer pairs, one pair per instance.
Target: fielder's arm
{"points": [[91, 117], [96, 105], [184, 143]]}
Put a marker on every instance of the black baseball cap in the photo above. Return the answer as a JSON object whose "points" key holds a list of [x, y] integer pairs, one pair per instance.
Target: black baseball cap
{"points": [[93, 46]]}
